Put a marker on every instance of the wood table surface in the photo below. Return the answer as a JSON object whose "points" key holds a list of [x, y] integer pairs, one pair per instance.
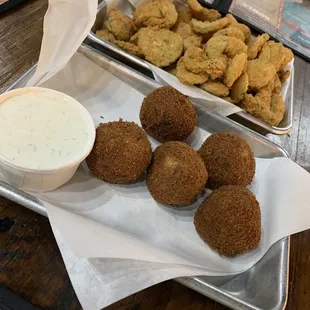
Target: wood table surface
{"points": [[30, 262]]}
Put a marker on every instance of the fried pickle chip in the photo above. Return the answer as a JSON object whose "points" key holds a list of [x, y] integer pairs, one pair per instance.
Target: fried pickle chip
{"points": [[229, 46], [187, 77], [256, 45], [130, 47], [245, 29], [256, 107], [195, 60], [216, 88], [202, 14], [106, 35], [235, 69], [239, 88], [120, 25], [161, 47], [162, 14], [260, 73], [274, 53], [288, 56], [206, 27], [231, 32], [189, 37]]}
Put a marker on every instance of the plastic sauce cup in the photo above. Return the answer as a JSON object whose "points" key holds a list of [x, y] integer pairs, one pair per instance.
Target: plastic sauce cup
{"points": [[45, 135]]}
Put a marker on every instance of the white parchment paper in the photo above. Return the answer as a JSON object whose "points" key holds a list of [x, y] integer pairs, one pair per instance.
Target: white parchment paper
{"points": [[116, 240], [124, 226]]}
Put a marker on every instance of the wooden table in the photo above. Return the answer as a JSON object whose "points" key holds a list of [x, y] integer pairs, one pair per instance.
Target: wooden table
{"points": [[30, 262]]}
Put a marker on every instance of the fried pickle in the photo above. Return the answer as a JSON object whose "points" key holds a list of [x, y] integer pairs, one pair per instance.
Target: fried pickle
{"points": [[256, 45], [230, 32], [160, 47], [235, 69], [188, 77], [239, 88], [216, 88], [206, 27], [162, 14], [120, 25], [260, 73]]}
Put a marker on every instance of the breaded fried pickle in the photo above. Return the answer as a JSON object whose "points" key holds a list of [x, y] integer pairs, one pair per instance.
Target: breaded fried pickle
{"points": [[161, 47], [121, 152], [120, 25], [177, 174], [162, 14]]}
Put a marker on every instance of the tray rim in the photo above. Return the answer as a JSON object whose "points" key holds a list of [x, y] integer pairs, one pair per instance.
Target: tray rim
{"points": [[242, 114], [194, 283]]}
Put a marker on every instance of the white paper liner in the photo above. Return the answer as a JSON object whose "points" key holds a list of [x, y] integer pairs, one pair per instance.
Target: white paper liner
{"points": [[123, 224]]}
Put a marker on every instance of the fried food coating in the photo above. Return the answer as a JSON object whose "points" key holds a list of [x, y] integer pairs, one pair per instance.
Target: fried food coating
{"points": [[177, 174], [195, 60], [172, 69], [184, 16], [121, 152], [274, 53], [239, 88], [229, 160], [127, 46], [162, 14], [284, 75], [130, 47], [235, 69], [231, 32], [260, 73], [257, 108], [187, 77], [229, 46], [216, 88], [245, 29], [189, 37], [256, 45], [106, 35], [288, 57], [120, 25], [201, 13], [160, 47], [229, 221], [206, 27], [167, 115]]}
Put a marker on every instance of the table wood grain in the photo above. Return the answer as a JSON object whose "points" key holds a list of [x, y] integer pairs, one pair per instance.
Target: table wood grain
{"points": [[30, 262]]}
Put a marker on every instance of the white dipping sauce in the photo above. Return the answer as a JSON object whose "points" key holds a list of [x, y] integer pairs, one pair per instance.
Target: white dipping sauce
{"points": [[41, 130]]}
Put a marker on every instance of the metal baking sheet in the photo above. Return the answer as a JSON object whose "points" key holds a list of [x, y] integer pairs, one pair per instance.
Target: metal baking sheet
{"points": [[141, 65], [264, 286]]}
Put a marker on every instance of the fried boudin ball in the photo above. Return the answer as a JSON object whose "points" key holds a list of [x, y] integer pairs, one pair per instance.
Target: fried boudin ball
{"points": [[121, 152], [229, 220], [177, 174], [168, 115], [229, 160]]}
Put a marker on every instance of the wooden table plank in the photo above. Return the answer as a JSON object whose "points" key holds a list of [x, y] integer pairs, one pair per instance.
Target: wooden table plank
{"points": [[30, 262]]}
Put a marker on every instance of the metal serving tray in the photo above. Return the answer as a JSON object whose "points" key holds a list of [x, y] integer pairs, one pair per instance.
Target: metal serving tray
{"points": [[141, 65], [264, 286]]}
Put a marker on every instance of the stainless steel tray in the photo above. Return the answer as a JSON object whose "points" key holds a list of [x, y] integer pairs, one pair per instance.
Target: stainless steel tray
{"points": [[265, 285], [108, 48]]}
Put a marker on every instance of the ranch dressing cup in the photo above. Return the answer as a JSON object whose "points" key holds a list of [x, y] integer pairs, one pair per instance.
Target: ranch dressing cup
{"points": [[45, 135]]}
